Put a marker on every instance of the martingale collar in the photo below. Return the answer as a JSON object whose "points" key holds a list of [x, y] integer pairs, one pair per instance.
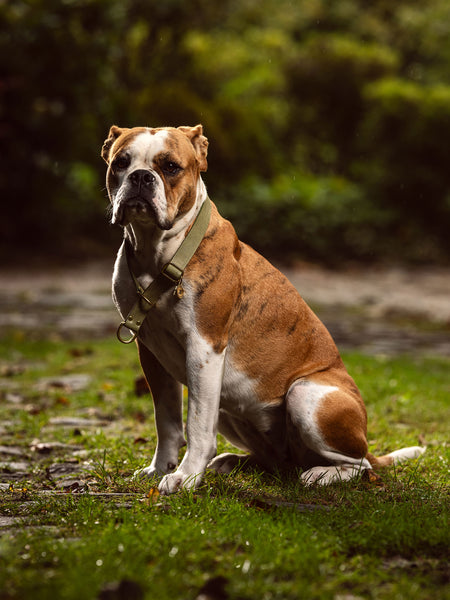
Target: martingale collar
{"points": [[170, 276]]}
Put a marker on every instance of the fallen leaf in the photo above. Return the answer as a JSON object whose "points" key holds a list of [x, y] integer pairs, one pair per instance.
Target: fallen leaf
{"points": [[78, 352], [373, 478], [62, 400], [76, 486], [141, 386], [140, 417], [140, 440], [153, 495]]}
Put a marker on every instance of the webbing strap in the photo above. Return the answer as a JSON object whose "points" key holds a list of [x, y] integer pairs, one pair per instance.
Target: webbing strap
{"points": [[170, 276]]}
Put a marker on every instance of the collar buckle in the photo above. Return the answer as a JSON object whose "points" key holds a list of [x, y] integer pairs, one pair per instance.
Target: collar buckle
{"points": [[172, 272]]}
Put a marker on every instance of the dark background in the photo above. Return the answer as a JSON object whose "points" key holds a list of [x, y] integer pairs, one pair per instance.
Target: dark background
{"points": [[328, 122]]}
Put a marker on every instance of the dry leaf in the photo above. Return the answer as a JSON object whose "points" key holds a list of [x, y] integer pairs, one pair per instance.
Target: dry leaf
{"points": [[141, 386], [153, 495], [373, 478], [62, 400], [140, 440]]}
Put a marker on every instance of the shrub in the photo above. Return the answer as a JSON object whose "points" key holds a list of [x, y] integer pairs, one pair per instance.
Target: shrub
{"points": [[300, 215]]}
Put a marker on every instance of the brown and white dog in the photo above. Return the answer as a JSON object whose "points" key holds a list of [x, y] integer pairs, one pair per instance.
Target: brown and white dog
{"points": [[259, 366]]}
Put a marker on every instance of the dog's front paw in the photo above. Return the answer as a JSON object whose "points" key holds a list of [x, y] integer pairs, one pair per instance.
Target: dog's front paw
{"points": [[154, 471], [176, 481], [147, 473]]}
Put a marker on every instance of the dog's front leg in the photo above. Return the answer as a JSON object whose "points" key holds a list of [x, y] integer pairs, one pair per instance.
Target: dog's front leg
{"points": [[168, 402], [205, 374]]}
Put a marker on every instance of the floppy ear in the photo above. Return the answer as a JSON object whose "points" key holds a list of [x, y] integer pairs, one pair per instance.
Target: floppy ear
{"points": [[114, 133], [200, 143]]}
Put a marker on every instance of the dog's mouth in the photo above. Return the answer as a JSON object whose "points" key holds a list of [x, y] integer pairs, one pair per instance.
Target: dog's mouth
{"points": [[137, 210], [134, 209]]}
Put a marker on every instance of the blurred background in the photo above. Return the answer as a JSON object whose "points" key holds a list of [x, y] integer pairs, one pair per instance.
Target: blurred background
{"points": [[328, 122]]}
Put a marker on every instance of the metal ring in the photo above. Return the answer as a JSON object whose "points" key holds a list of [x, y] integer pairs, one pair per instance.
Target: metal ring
{"points": [[118, 333]]}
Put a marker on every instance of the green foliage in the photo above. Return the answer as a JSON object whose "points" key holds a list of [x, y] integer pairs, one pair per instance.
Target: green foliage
{"points": [[298, 213], [338, 92], [404, 126], [328, 75]]}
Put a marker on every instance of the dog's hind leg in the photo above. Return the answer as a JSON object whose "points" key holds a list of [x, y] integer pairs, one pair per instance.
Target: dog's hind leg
{"points": [[332, 424], [228, 461], [265, 449]]}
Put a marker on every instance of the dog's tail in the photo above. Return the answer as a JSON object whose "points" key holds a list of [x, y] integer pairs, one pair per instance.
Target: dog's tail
{"points": [[396, 457]]}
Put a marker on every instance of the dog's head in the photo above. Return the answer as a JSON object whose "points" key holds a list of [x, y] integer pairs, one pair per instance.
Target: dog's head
{"points": [[153, 174]]}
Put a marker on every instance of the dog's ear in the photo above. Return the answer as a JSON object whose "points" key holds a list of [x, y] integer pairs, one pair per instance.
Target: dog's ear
{"points": [[200, 143], [114, 133]]}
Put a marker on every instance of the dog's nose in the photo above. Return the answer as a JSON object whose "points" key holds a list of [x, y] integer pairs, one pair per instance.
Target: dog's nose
{"points": [[142, 178]]}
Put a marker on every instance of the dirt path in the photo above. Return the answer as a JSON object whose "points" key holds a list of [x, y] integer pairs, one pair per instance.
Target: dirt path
{"points": [[377, 310]]}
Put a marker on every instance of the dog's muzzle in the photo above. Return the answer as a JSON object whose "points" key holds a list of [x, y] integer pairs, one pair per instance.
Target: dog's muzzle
{"points": [[136, 198]]}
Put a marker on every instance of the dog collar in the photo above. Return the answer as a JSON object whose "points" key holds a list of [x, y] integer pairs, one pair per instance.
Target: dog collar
{"points": [[171, 275]]}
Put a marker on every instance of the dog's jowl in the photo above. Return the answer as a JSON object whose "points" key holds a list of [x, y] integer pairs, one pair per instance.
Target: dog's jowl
{"points": [[259, 366]]}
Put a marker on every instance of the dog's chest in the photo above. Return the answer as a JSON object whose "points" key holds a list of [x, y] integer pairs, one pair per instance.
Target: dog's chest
{"points": [[166, 327], [170, 332]]}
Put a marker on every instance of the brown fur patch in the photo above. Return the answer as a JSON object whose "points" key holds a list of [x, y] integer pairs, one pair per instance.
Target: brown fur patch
{"points": [[342, 420], [215, 281], [181, 189], [245, 303]]}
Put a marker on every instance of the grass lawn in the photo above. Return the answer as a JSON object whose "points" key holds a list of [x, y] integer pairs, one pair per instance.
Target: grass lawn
{"points": [[75, 526]]}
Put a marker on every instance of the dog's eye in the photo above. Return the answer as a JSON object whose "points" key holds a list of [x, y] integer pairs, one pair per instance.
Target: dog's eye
{"points": [[171, 168], [120, 163]]}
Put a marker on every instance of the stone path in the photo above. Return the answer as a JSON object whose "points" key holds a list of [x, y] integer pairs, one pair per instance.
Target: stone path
{"points": [[387, 311]]}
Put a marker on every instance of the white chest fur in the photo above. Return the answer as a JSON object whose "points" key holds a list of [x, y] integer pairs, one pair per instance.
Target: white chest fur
{"points": [[164, 331]]}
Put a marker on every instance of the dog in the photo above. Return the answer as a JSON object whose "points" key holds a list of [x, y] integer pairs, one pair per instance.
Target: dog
{"points": [[259, 366]]}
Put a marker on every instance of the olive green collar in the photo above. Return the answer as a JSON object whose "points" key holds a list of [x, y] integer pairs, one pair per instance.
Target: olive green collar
{"points": [[170, 276]]}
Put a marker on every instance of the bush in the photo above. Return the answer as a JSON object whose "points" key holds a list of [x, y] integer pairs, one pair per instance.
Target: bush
{"points": [[351, 97], [301, 215], [406, 160]]}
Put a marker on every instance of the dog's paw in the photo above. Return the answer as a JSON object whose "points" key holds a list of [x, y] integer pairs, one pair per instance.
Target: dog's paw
{"points": [[226, 462], [146, 473], [331, 474], [173, 482], [154, 471]]}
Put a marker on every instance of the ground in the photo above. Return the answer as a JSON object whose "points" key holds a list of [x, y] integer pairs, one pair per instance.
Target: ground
{"points": [[378, 310], [74, 427]]}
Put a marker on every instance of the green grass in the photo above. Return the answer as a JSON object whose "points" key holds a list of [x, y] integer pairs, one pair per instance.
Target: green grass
{"points": [[269, 537]]}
